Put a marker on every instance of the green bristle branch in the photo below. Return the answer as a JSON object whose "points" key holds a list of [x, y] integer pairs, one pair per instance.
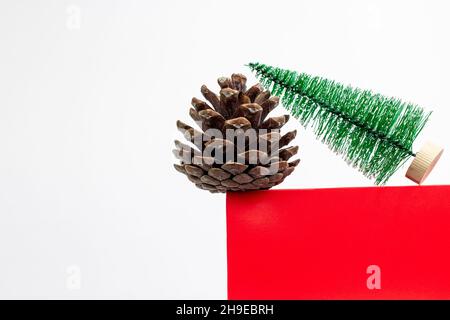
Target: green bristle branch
{"points": [[372, 132]]}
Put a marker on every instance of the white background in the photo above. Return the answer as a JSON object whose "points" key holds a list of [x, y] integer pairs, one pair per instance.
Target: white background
{"points": [[90, 205]]}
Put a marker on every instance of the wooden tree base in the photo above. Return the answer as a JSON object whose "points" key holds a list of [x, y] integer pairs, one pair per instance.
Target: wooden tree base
{"points": [[424, 162]]}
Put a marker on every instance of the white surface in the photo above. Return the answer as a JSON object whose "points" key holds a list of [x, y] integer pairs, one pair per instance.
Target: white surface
{"points": [[90, 205]]}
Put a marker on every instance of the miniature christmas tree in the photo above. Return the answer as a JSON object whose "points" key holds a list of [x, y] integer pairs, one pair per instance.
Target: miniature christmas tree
{"points": [[372, 132]]}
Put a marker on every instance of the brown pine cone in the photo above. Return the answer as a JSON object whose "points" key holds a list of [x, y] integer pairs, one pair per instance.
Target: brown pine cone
{"points": [[237, 149]]}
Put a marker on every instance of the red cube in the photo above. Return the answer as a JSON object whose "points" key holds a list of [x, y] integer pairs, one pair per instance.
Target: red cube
{"points": [[345, 243]]}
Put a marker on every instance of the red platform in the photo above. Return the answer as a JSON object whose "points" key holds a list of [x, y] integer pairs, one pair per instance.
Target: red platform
{"points": [[319, 243]]}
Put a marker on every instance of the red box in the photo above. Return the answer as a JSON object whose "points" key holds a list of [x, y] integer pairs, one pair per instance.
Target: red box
{"points": [[346, 243]]}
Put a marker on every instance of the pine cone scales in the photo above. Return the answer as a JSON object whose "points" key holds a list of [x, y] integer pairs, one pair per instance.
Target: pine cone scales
{"points": [[237, 149]]}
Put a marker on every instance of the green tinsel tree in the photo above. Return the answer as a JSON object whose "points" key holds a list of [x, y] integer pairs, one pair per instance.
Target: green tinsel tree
{"points": [[372, 132]]}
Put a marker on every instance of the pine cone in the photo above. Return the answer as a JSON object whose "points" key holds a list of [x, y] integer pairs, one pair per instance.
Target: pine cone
{"points": [[236, 149]]}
